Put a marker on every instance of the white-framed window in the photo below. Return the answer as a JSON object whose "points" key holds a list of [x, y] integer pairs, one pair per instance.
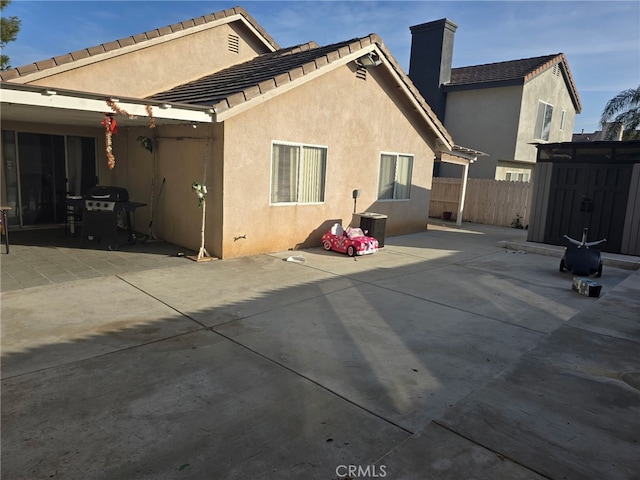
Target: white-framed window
{"points": [[563, 119], [543, 121], [394, 181], [516, 177], [298, 173]]}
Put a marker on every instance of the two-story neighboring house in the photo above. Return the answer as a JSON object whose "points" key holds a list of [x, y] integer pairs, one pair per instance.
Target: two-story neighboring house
{"points": [[502, 109]]}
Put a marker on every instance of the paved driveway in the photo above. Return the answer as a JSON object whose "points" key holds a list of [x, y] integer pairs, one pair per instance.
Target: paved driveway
{"points": [[442, 356]]}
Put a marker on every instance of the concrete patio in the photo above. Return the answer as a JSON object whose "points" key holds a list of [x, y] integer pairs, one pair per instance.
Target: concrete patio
{"points": [[452, 353]]}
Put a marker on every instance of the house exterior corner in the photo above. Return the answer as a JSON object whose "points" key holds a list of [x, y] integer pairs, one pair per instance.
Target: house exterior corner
{"points": [[354, 121]]}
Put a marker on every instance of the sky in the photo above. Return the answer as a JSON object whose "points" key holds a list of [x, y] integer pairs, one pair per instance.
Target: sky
{"points": [[601, 40]]}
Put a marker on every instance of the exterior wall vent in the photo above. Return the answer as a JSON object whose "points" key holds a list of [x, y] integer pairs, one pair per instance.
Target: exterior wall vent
{"points": [[361, 73], [556, 70], [234, 43]]}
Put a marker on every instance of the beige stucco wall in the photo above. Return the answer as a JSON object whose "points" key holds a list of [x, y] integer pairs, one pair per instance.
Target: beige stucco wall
{"points": [[146, 71], [356, 120], [485, 120], [179, 156], [552, 89]]}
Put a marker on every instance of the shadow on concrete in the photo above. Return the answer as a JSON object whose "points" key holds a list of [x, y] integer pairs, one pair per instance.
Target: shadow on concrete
{"points": [[49, 256], [315, 237], [59, 237], [261, 368]]}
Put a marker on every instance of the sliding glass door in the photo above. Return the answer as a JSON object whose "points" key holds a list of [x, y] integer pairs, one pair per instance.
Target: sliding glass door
{"points": [[40, 170], [42, 178]]}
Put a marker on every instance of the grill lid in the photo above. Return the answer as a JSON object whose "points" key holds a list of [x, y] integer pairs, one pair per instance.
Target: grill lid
{"points": [[104, 192]]}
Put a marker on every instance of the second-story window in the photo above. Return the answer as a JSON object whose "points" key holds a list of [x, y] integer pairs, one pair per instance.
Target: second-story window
{"points": [[543, 121]]}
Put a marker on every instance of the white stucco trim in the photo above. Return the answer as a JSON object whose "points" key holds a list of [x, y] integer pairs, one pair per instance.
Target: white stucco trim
{"points": [[41, 97]]}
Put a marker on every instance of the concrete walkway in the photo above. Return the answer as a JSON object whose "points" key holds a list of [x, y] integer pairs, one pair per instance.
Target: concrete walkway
{"points": [[443, 356]]}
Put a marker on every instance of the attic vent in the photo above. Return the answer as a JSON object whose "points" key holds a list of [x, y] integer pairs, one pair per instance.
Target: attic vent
{"points": [[234, 43], [361, 73], [556, 70]]}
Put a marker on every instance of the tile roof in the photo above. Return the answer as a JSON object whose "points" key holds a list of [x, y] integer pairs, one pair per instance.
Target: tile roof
{"points": [[511, 73], [18, 72], [498, 72], [254, 77], [241, 83], [588, 137]]}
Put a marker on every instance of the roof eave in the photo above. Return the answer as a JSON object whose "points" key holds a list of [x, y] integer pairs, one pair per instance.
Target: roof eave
{"points": [[561, 60], [455, 87], [45, 68], [43, 97], [573, 90]]}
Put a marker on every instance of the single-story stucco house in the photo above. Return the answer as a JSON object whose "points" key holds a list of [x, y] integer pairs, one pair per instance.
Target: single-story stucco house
{"points": [[280, 136]]}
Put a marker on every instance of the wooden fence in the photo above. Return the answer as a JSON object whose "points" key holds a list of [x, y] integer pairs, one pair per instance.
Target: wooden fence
{"points": [[492, 202]]}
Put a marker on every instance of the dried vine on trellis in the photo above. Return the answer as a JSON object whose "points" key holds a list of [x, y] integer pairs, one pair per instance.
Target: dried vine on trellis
{"points": [[111, 127]]}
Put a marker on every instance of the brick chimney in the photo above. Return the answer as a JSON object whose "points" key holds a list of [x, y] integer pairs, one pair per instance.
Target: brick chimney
{"points": [[430, 62]]}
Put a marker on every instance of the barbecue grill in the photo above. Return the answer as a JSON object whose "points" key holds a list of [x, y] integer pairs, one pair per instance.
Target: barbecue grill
{"points": [[106, 209]]}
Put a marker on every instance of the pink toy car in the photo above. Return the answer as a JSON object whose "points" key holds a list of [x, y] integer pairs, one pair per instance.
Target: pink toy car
{"points": [[353, 241]]}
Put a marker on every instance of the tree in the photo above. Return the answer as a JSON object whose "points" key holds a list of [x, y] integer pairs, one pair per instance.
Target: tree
{"points": [[622, 112], [9, 28]]}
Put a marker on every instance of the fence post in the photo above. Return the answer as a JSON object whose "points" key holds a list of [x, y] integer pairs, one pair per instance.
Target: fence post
{"points": [[463, 193]]}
